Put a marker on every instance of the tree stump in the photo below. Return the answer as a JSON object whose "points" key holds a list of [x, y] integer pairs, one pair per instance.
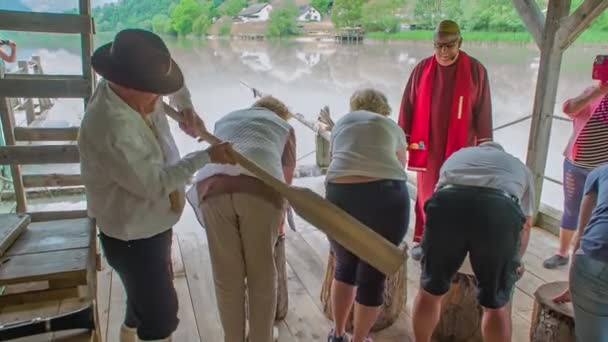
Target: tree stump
{"points": [[395, 295], [460, 312], [551, 322]]}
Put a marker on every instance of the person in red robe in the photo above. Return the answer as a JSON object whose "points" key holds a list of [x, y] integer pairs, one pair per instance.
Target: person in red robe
{"points": [[446, 106]]}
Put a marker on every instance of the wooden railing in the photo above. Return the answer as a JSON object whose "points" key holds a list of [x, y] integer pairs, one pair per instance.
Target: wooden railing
{"points": [[33, 107], [29, 84]]}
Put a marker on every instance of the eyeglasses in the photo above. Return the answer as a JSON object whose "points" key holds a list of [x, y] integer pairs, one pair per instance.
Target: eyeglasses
{"points": [[450, 45]]}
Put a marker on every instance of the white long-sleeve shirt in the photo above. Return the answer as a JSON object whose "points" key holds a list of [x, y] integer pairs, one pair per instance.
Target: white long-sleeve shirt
{"points": [[128, 173]]}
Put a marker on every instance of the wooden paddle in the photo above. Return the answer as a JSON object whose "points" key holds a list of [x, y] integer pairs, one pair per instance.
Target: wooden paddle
{"points": [[332, 220]]}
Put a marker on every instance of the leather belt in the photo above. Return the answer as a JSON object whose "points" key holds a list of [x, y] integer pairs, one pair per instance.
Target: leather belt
{"points": [[482, 189]]}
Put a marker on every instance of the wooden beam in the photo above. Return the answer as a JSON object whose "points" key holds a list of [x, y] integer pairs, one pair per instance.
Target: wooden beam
{"points": [[45, 86], [44, 22], [86, 42], [8, 123], [43, 216], [532, 17], [544, 100], [51, 180], [46, 133], [572, 27], [47, 154], [38, 296]]}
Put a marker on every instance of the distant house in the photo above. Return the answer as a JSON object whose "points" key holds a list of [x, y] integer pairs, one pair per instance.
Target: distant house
{"points": [[255, 12], [309, 13]]}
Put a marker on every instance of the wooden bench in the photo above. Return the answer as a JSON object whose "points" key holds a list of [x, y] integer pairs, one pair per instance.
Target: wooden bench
{"points": [[51, 268]]}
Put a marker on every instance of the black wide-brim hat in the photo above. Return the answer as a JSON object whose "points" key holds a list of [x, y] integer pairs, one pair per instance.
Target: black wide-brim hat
{"points": [[138, 59]]}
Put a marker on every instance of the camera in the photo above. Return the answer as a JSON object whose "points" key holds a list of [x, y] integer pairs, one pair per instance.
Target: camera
{"points": [[4, 41], [600, 68]]}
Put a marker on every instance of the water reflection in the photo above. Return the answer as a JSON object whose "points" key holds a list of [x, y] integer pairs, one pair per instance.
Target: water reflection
{"points": [[311, 74]]}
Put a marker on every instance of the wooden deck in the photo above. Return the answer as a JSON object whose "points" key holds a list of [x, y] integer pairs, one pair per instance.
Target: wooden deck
{"points": [[307, 251]]}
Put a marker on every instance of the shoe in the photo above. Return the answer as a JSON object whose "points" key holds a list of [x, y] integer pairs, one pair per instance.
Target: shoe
{"points": [[556, 261], [127, 334], [416, 252], [368, 339], [332, 338]]}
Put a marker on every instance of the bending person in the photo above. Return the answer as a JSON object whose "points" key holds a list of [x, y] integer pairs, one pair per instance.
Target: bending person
{"points": [[366, 178], [243, 217], [483, 198]]}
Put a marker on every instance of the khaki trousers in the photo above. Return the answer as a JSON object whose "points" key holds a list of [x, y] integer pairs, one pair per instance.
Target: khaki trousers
{"points": [[242, 230]]}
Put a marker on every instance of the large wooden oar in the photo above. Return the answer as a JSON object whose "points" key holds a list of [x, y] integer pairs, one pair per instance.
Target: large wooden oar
{"points": [[335, 222]]}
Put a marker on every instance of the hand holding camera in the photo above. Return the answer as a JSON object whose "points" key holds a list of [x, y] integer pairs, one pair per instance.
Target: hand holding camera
{"points": [[600, 73], [7, 42]]}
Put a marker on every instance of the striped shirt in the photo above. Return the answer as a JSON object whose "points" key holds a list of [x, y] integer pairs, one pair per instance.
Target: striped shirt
{"points": [[591, 144]]}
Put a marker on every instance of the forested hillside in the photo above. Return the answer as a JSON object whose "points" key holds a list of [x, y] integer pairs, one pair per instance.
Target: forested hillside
{"points": [[195, 16]]}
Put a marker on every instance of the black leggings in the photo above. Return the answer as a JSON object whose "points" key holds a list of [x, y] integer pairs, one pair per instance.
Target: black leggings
{"points": [[144, 266], [384, 206]]}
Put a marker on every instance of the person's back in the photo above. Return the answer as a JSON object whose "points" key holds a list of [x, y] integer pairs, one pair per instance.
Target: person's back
{"points": [[488, 165], [365, 144], [594, 241], [257, 133], [479, 209]]}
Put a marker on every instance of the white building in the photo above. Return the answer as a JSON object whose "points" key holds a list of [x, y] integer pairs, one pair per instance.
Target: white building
{"points": [[255, 12], [309, 13]]}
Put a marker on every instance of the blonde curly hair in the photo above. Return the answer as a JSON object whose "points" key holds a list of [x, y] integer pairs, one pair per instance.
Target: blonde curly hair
{"points": [[371, 100], [274, 105]]}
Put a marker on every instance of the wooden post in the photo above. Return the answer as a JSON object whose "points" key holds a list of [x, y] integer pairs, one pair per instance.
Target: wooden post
{"points": [[37, 69], [322, 151], [6, 115], [86, 40], [546, 92], [29, 103]]}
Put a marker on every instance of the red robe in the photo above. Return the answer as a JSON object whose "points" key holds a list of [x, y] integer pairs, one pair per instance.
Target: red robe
{"points": [[479, 123]]}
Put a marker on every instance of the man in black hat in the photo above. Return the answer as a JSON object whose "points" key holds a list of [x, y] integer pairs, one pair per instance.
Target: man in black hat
{"points": [[135, 177]]}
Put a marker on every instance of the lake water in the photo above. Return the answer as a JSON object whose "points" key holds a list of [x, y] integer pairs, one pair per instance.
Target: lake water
{"points": [[310, 74]]}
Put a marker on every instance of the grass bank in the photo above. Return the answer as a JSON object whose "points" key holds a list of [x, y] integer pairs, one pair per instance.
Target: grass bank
{"points": [[520, 37]]}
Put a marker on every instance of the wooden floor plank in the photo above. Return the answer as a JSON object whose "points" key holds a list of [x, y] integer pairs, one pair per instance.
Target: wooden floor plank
{"points": [[104, 285], [309, 267], [304, 319], [118, 304], [197, 265], [187, 330]]}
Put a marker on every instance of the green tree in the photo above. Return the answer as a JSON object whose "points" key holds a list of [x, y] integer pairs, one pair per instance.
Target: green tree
{"points": [[203, 22], [232, 7], [184, 15], [282, 21], [430, 12], [161, 23], [321, 5], [381, 15], [347, 12]]}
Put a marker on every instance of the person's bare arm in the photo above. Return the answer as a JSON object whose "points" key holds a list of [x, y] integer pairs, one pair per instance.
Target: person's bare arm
{"points": [[573, 106], [402, 156], [13, 56]]}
